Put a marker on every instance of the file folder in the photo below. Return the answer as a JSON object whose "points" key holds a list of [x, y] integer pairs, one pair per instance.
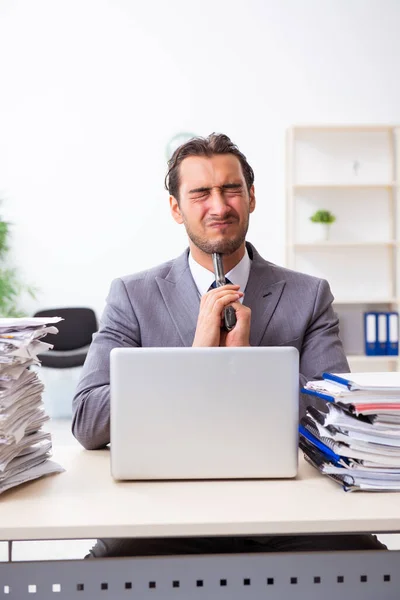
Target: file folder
{"points": [[370, 382], [356, 439], [323, 448], [392, 344], [370, 333], [316, 394], [381, 333]]}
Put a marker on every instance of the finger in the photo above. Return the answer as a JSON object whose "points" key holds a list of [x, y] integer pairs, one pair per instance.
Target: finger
{"points": [[223, 287], [226, 300], [243, 313], [221, 292], [208, 300], [241, 308]]}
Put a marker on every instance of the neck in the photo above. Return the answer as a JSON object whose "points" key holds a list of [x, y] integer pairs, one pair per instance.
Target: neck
{"points": [[229, 260]]}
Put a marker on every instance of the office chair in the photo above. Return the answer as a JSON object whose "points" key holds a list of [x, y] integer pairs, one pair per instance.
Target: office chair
{"points": [[61, 367], [71, 344]]}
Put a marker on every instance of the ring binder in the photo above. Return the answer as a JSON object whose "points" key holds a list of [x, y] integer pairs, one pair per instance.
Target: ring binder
{"points": [[356, 438], [370, 333], [392, 345], [381, 333]]}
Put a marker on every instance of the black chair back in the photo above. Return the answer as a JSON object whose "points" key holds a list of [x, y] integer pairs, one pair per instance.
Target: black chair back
{"points": [[75, 331]]}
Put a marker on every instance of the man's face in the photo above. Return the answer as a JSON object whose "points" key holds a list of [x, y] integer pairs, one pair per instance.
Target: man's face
{"points": [[214, 202]]}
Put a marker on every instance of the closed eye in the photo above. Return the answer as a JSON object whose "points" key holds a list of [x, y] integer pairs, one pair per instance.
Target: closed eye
{"points": [[201, 196], [232, 188]]}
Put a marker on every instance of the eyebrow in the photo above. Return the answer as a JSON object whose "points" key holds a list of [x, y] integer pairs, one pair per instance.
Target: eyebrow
{"points": [[226, 186]]}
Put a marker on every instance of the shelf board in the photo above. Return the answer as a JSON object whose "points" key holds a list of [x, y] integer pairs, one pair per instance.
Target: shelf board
{"points": [[329, 244], [343, 186], [365, 358]]}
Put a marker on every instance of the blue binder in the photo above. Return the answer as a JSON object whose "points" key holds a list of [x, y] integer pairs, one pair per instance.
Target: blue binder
{"points": [[392, 333], [316, 394], [381, 333], [370, 333], [320, 445]]}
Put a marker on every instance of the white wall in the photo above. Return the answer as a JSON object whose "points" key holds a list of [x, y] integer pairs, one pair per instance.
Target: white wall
{"points": [[91, 91]]}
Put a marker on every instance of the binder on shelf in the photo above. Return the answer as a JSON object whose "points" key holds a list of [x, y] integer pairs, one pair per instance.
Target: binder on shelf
{"points": [[392, 333], [370, 333], [381, 333]]}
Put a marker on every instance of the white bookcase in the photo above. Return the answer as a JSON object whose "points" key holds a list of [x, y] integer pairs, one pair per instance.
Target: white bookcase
{"points": [[351, 171]]}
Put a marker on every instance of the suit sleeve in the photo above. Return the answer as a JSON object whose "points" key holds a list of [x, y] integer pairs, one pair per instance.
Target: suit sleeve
{"points": [[322, 348], [91, 404]]}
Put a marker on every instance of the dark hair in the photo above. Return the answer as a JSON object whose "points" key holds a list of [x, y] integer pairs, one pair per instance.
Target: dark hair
{"points": [[215, 143]]}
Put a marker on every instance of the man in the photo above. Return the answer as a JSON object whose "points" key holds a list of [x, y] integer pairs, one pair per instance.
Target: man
{"points": [[211, 187]]}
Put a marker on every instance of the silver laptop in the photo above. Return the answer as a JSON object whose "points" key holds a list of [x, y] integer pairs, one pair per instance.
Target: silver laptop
{"points": [[204, 413]]}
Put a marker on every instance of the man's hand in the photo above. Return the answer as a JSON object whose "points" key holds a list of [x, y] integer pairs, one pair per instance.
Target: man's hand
{"points": [[240, 334], [212, 304]]}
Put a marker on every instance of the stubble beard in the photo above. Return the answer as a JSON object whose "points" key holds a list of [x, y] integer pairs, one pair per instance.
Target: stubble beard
{"points": [[221, 246]]}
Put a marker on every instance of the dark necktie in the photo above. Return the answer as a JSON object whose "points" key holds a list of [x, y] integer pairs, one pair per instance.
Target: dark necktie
{"points": [[214, 284]]}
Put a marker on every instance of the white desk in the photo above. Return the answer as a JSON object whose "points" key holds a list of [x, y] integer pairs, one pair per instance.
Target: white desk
{"points": [[85, 502]]}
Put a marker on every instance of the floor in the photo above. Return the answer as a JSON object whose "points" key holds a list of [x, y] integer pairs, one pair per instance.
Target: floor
{"points": [[75, 549]]}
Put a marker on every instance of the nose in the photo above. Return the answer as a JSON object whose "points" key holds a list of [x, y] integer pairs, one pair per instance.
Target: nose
{"points": [[218, 205]]}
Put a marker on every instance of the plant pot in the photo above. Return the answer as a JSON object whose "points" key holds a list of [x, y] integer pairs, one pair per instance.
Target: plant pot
{"points": [[321, 232]]}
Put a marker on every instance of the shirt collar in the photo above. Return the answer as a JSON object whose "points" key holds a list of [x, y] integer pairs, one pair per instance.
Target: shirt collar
{"points": [[203, 278]]}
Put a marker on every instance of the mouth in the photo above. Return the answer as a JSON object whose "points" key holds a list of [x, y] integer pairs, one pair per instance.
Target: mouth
{"points": [[220, 224]]}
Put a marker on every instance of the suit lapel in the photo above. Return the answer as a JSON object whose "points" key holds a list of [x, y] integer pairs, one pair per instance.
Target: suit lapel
{"points": [[181, 297], [262, 295]]}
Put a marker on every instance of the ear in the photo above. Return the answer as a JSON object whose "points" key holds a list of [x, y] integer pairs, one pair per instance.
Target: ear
{"points": [[252, 203], [175, 210]]}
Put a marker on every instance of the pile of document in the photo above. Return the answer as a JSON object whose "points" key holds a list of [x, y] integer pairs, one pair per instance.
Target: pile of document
{"points": [[355, 439], [24, 446]]}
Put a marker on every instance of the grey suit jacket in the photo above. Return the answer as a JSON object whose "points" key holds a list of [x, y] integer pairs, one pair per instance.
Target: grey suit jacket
{"points": [[159, 308]]}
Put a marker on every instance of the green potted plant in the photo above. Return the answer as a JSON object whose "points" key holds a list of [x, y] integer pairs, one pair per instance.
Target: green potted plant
{"points": [[323, 219], [10, 285]]}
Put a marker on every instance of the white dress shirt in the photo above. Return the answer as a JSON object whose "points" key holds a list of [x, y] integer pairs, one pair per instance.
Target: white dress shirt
{"points": [[204, 278]]}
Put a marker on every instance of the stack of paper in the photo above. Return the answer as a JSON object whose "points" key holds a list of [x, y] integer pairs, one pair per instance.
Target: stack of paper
{"points": [[356, 440], [24, 446]]}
